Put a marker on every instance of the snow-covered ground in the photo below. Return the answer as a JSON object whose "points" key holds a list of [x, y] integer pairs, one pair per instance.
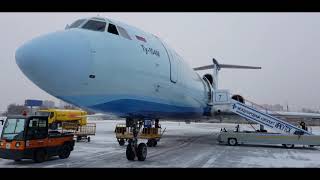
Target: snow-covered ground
{"points": [[183, 145]]}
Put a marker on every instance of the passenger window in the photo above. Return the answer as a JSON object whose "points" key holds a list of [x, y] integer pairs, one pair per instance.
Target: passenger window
{"points": [[95, 25], [123, 32], [112, 29]]}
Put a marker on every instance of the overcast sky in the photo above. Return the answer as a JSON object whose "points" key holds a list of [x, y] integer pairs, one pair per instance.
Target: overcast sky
{"points": [[286, 45]]}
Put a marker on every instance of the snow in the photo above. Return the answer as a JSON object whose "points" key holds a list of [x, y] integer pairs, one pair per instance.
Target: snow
{"points": [[182, 145]]}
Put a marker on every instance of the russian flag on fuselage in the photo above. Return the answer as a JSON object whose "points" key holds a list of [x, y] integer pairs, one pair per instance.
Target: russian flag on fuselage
{"points": [[141, 38]]}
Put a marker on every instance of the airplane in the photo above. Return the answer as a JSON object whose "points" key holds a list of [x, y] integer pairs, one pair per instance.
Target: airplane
{"points": [[107, 66]]}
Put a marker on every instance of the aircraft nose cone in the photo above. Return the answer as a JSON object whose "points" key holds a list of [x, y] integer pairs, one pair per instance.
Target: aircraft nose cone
{"points": [[53, 61], [27, 55]]}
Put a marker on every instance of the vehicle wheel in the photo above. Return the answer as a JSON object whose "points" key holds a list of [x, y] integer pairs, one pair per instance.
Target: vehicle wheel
{"points": [[232, 141], [155, 143], [53, 126], [142, 152], [129, 153], [150, 143], [65, 152], [88, 139], [121, 142], [78, 138], [39, 156], [288, 146]]}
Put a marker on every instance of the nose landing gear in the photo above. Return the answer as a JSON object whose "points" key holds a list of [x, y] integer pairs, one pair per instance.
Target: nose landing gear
{"points": [[133, 149]]}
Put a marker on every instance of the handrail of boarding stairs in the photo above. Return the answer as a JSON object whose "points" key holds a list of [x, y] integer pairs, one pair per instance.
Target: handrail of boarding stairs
{"points": [[255, 105]]}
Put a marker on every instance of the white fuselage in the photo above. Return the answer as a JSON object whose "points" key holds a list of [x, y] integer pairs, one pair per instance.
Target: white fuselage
{"points": [[105, 72]]}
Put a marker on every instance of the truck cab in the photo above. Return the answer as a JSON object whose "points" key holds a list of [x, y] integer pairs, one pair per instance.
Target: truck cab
{"points": [[27, 137]]}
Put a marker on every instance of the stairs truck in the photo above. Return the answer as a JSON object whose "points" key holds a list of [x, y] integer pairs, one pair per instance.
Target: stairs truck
{"points": [[284, 133], [220, 102]]}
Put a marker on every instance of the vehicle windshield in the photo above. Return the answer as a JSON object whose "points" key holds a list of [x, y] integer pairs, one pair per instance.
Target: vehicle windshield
{"points": [[43, 113], [13, 129]]}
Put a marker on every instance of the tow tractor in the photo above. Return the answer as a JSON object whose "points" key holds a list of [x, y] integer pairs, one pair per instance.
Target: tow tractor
{"points": [[151, 132], [286, 134], [28, 137]]}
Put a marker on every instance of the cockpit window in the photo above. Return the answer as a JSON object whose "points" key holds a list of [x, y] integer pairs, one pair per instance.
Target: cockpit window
{"points": [[95, 25], [123, 32], [112, 29], [77, 23]]}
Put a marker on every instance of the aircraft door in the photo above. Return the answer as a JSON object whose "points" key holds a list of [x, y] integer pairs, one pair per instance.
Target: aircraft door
{"points": [[173, 63], [173, 67]]}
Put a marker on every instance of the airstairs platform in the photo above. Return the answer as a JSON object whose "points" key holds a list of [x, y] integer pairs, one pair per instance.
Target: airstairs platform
{"points": [[286, 133], [222, 99]]}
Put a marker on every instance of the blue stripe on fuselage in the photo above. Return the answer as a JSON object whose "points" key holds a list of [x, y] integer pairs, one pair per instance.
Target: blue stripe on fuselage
{"points": [[138, 108], [143, 109]]}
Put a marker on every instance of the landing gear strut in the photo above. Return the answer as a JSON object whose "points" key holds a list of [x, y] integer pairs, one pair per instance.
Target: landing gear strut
{"points": [[133, 149]]}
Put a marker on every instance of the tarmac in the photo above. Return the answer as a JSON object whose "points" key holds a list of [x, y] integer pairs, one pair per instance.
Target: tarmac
{"points": [[182, 145]]}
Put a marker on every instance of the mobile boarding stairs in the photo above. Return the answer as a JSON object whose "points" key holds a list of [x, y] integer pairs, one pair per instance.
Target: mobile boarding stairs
{"points": [[287, 134]]}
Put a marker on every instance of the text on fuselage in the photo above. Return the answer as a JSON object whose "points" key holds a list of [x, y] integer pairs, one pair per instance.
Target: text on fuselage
{"points": [[150, 51]]}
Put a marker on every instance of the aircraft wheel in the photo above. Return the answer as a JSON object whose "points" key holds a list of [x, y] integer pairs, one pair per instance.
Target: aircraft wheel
{"points": [[39, 156], [289, 146], [130, 153], [232, 141], [142, 152], [121, 142], [79, 138]]}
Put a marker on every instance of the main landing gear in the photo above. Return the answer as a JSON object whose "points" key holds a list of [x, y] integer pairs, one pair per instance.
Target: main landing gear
{"points": [[133, 149]]}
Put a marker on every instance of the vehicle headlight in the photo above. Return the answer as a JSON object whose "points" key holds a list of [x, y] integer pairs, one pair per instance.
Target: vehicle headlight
{"points": [[1, 143], [17, 144]]}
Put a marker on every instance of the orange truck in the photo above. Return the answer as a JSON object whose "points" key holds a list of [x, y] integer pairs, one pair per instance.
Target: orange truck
{"points": [[28, 137]]}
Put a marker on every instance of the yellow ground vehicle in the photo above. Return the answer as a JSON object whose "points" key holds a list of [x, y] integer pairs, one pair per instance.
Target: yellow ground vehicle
{"points": [[124, 133], [81, 132], [73, 120], [58, 116]]}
